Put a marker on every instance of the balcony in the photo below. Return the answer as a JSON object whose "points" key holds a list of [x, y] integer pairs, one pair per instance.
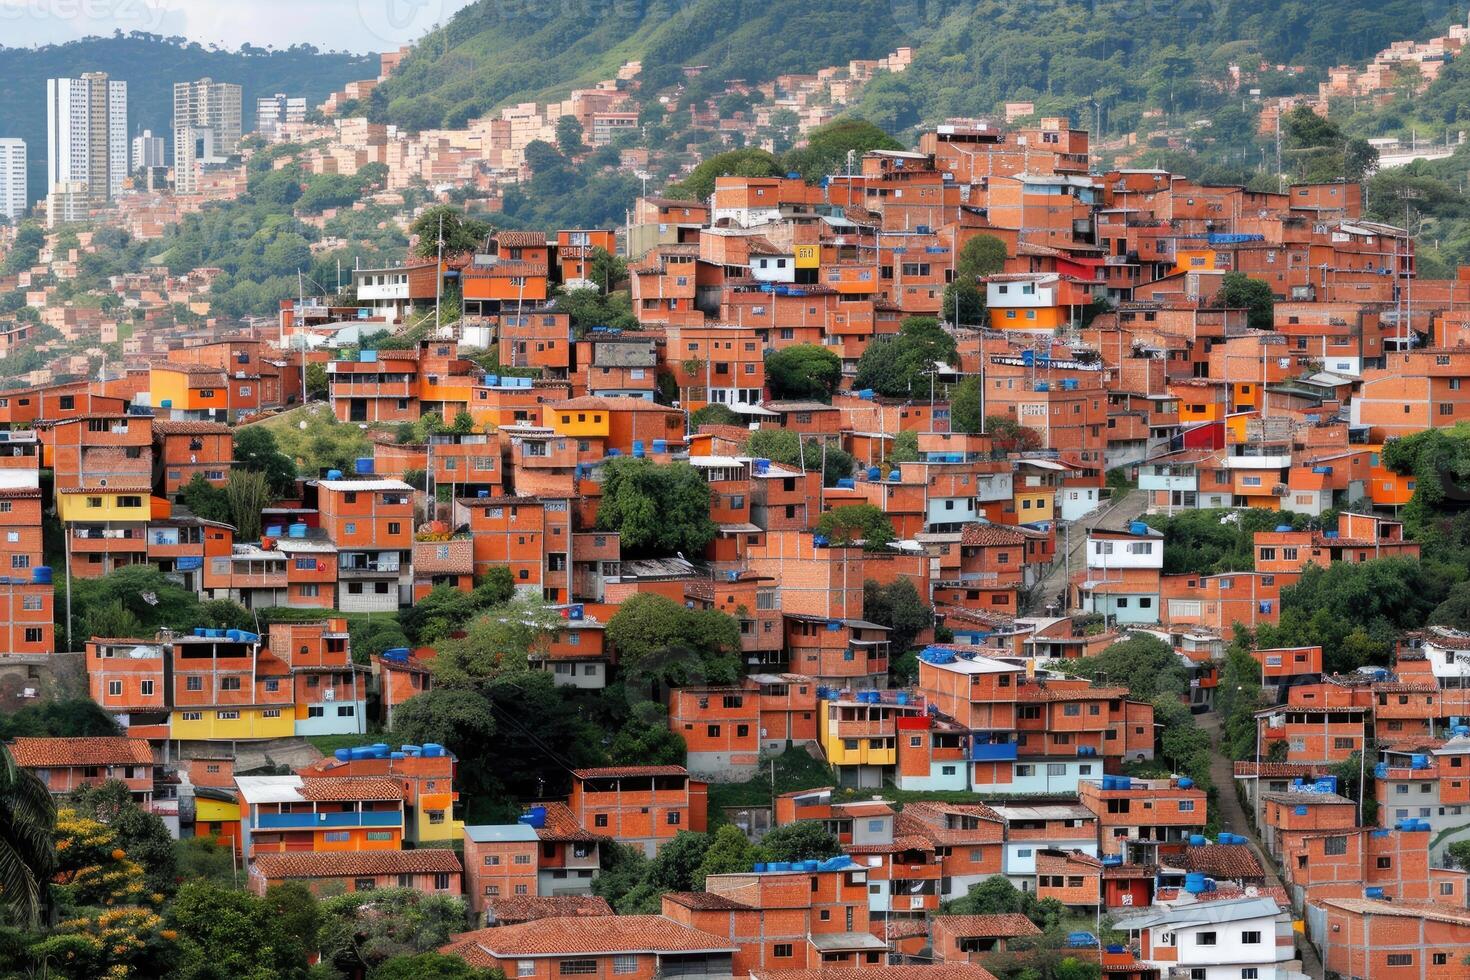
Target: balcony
{"points": [[373, 570], [308, 821], [992, 751]]}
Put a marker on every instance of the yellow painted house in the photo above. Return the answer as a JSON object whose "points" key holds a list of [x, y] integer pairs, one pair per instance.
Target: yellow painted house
{"points": [[102, 504], [578, 418], [223, 723]]}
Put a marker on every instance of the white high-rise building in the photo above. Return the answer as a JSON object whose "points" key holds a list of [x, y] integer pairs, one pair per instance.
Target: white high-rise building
{"points": [[275, 111], [87, 134], [12, 178], [206, 128], [148, 151]]}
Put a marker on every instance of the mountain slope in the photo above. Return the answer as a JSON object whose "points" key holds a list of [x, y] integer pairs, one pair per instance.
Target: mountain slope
{"points": [[150, 64], [970, 54]]}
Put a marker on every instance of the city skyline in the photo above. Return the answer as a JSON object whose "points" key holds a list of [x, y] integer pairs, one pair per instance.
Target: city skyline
{"points": [[360, 26]]}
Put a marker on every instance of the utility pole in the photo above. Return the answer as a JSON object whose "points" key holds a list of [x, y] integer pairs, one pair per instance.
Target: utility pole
{"points": [[439, 272]]}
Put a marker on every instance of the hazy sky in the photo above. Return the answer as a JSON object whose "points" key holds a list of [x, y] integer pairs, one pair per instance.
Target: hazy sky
{"points": [[353, 25]]}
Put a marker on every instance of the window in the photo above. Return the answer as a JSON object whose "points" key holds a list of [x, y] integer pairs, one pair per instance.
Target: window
{"points": [[114, 689], [227, 715], [599, 820], [1204, 939], [1440, 959], [338, 836], [1385, 863], [782, 951], [380, 835], [522, 859], [229, 683], [524, 968], [577, 968], [145, 688], [1249, 973], [673, 818], [1250, 937], [1056, 768], [1334, 845], [1186, 806], [1400, 959]]}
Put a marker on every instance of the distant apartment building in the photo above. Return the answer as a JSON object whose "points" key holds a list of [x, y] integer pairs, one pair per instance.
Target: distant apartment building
{"points": [[12, 178], [149, 151], [272, 112], [87, 136], [206, 128]]}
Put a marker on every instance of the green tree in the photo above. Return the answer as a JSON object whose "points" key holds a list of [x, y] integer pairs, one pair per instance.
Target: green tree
{"points": [[318, 385], [905, 447], [993, 896], [256, 450], [803, 371], [460, 232], [645, 739], [804, 840], [714, 414], [660, 641], [499, 642], [60, 718], [361, 931], [1459, 852], [729, 851], [142, 834], [828, 147], [607, 270], [898, 606], [203, 499], [656, 508], [964, 304], [902, 365], [569, 136], [983, 255], [1143, 664], [227, 933], [205, 859], [248, 492], [1239, 291], [457, 718], [700, 183], [851, 523], [964, 407], [27, 854]]}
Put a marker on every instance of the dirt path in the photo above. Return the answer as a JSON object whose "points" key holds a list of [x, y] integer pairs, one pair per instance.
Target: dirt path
{"points": [[1233, 819]]}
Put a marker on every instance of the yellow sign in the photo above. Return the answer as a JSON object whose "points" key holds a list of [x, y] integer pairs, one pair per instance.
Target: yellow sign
{"points": [[808, 256]]}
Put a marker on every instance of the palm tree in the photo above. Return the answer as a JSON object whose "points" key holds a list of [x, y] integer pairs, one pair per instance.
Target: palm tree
{"points": [[27, 850]]}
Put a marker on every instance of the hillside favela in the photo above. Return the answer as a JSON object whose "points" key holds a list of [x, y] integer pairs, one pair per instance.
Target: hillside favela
{"points": [[707, 490]]}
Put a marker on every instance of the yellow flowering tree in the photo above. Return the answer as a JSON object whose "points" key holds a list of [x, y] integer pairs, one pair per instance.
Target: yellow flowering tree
{"points": [[91, 868], [115, 944]]}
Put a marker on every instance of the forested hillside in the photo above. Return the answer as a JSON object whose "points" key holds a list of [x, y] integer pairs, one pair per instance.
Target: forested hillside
{"points": [[970, 54], [150, 64]]}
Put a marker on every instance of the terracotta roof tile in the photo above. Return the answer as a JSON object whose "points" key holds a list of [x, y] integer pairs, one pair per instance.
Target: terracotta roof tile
{"points": [[529, 908], [343, 788], [1007, 924], [38, 753], [611, 772], [1221, 861], [336, 864], [189, 427], [989, 535]]}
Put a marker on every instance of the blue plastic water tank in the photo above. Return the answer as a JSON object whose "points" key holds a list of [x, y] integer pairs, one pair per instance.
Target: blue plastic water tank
{"points": [[343, 755], [334, 474], [41, 575]]}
